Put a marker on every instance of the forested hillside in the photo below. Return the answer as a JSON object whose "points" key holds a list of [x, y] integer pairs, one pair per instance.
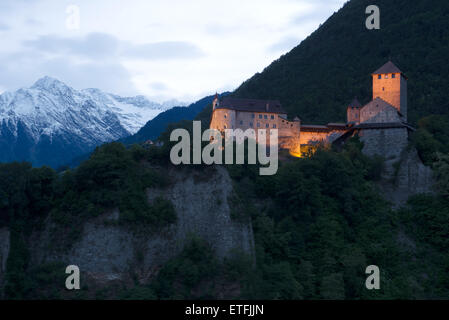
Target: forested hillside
{"points": [[318, 78], [317, 224]]}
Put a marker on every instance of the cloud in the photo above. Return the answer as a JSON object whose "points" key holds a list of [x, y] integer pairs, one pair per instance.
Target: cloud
{"points": [[103, 45], [159, 86], [315, 11], [24, 68], [164, 50], [3, 27], [284, 45], [93, 60], [94, 45], [32, 22]]}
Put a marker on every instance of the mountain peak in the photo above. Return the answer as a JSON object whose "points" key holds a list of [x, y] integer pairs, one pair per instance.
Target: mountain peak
{"points": [[47, 83]]}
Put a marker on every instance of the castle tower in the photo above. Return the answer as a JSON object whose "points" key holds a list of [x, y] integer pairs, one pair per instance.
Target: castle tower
{"points": [[353, 111], [215, 102], [390, 84]]}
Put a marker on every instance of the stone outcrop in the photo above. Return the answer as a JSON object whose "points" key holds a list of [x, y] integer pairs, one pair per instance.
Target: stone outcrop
{"points": [[405, 176], [4, 251], [108, 252]]}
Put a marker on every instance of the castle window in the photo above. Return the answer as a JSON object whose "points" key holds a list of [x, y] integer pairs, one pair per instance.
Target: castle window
{"points": [[265, 116], [383, 89], [258, 124], [225, 116], [386, 76], [393, 76], [260, 116], [253, 116], [272, 117], [274, 125], [267, 125], [379, 76], [241, 122], [251, 124], [224, 126]]}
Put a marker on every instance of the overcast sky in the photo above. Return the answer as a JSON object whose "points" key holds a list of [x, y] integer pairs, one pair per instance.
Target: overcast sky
{"points": [[165, 49]]}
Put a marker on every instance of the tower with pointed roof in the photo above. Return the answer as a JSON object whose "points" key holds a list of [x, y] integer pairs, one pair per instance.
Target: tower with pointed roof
{"points": [[390, 84], [353, 111], [216, 101]]}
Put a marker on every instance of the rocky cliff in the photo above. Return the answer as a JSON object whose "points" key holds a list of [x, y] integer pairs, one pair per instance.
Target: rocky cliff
{"points": [[106, 251], [404, 176], [4, 251]]}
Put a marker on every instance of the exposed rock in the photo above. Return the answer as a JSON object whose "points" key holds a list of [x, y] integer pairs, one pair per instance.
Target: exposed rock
{"points": [[203, 209], [109, 252], [4, 252], [406, 176]]}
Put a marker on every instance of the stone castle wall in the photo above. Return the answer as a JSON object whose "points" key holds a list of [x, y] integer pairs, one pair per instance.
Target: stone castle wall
{"points": [[387, 143], [288, 131], [315, 137], [373, 113]]}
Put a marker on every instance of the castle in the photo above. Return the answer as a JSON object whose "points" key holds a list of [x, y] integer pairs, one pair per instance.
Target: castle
{"points": [[381, 123]]}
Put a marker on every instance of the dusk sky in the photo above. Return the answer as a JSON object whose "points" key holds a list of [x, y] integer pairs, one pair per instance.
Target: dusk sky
{"points": [[171, 49]]}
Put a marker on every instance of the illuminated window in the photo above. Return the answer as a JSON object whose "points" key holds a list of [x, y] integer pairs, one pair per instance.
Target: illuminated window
{"points": [[386, 76]]}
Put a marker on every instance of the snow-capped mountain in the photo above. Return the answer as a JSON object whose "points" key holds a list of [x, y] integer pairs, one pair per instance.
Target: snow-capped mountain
{"points": [[51, 123]]}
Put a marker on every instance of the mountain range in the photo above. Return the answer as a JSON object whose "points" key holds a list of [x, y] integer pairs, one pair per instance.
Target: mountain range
{"points": [[156, 126], [50, 123]]}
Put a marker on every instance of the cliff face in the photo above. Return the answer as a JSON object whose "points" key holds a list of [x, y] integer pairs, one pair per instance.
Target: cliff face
{"points": [[405, 176], [108, 252], [4, 251]]}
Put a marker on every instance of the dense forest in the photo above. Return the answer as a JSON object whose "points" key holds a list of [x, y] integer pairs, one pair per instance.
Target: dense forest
{"points": [[317, 223]]}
